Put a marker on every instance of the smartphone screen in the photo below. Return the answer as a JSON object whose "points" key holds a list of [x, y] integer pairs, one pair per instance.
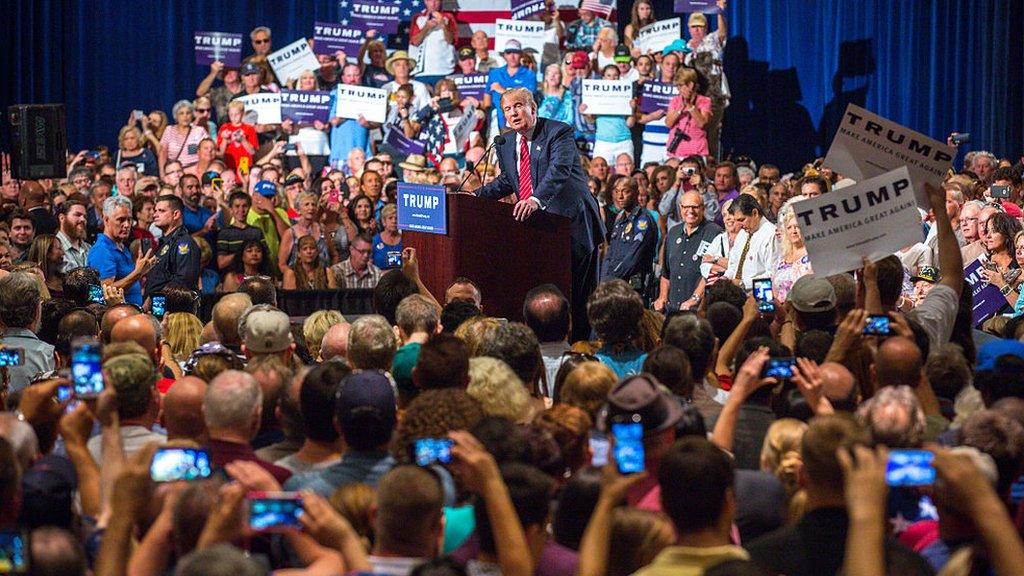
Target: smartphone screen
{"points": [[764, 295], [431, 450], [629, 446], [159, 301], [599, 448], [910, 468], [86, 368], [14, 551], [12, 356], [274, 511], [171, 464], [877, 325], [63, 393], [779, 367], [96, 294]]}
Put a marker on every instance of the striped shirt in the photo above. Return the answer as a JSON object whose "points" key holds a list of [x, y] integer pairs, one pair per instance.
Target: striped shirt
{"points": [[345, 275], [177, 143]]}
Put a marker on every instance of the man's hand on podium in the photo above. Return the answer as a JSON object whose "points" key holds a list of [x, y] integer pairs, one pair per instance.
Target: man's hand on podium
{"points": [[522, 210]]}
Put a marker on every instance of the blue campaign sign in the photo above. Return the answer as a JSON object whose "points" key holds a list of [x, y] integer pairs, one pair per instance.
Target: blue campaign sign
{"points": [[422, 208]]}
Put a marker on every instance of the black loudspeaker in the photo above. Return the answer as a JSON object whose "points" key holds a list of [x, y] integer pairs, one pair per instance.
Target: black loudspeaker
{"points": [[40, 140]]}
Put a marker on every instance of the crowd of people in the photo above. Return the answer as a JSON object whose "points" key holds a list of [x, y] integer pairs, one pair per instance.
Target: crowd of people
{"points": [[430, 438]]}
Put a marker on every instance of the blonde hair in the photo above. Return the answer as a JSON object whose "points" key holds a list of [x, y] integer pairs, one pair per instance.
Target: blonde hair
{"points": [[183, 333], [473, 330], [316, 325], [685, 75], [354, 502], [587, 387], [124, 132], [500, 392], [518, 95], [780, 456]]}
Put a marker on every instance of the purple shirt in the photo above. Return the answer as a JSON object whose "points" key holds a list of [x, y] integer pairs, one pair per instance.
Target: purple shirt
{"points": [[732, 194]]}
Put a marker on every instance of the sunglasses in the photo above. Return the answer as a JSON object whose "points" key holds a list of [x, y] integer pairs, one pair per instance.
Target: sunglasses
{"points": [[202, 110], [265, 41]]}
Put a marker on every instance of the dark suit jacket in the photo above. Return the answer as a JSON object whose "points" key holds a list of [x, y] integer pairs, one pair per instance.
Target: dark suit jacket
{"points": [[559, 182]]}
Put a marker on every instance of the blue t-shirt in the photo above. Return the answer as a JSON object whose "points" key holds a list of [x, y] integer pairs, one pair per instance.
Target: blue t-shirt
{"points": [[629, 362], [611, 129], [114, 263], [194, 220], [386, 256], [523, 78], [346, 136]]}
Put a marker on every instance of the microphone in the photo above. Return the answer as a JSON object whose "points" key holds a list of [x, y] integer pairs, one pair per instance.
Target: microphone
{"points": [[498, 140]]}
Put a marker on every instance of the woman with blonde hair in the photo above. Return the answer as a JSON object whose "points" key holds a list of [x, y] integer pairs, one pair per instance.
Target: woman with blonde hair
{"points": [[130, 148], [780, 456], [637, 536], [794, 263], [473, 331], [316, 325], [183, 332]]}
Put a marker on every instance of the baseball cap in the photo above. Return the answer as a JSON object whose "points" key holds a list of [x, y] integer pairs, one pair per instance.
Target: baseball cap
{"points": [[147, 182], [926, 273], [250, 68], [209, 177], [812, 293], [513, 46], [580, 60], [644, 395], [622, 54], [995, 349], [266, 330], [465, 53], [293, 179], [266, 188], [129, 373], [365, 401], [697, 19]]}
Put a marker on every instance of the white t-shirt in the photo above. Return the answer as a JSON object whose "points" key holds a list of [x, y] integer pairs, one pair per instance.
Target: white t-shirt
{"points": [[420, 95], [436, 54]]}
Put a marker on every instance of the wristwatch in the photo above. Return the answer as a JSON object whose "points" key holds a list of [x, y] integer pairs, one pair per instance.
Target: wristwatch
{"points": [[1005, 290]]}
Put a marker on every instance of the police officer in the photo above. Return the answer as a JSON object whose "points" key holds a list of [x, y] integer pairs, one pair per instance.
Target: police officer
{"points": [[633, 241], [177, 256]]}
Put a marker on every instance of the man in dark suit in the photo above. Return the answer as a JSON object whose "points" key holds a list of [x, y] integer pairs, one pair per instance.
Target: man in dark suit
{"points": [[541, 167]]}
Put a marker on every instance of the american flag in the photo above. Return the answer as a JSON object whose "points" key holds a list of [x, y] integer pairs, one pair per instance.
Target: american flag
{"points": [[435, 136], [601, 7]]}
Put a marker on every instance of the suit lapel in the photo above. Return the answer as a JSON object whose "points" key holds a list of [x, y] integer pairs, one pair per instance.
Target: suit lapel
{"points": [[510, 152]]}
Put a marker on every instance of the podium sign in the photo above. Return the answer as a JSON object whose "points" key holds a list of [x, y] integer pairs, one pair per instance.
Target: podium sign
{"points": [[422, 208]]}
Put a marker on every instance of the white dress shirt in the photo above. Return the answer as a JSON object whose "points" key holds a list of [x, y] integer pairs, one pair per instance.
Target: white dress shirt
{"points": [[760, 260]]}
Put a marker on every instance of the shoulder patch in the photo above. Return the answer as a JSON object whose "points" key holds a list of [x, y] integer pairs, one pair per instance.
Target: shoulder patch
{"points": [[642, 224], [183, 248]]}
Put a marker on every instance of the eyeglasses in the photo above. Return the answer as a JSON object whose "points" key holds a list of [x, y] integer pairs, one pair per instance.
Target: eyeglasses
{"points": [[690, 207], [202, 110], [262, 41]]}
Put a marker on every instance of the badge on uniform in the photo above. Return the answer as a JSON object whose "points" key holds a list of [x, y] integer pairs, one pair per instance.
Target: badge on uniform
{"points": [[183, 248], [679, 240], [629, 227], [642, 225], [164, 249], [639, 237]]}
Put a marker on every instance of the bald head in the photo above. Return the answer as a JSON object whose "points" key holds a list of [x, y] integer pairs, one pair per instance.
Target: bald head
{"points": [[112, 316], [182, 413], [32, 194], [140, 329], [838, 384], [225, 317], [335, 342], [898, 363]]}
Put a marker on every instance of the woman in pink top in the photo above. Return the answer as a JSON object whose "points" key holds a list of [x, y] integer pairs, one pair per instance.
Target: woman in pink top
{"points": [[688, 113], [180, 141]]}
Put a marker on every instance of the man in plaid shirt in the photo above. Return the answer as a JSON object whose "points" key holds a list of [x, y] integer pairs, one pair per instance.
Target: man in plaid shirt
{"points": [[581, 34], [358, 271]]}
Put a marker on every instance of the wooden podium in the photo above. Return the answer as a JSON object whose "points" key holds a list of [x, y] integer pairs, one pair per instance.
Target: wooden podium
{"points": [[505, 258]]}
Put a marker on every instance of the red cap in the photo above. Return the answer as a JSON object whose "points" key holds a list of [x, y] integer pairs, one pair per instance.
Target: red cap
{"points": [[579, 60]]}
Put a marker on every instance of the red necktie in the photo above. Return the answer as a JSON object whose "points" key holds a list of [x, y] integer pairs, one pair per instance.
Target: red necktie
{"points": [[525, 182]]}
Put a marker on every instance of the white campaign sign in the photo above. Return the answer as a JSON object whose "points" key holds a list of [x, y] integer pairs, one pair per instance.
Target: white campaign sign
{"points": [[608, 97], [654, 37], [464, 128], [266, 107], [290, 61], [530, 34], [353, 101], [868, 145], [872, 219]]}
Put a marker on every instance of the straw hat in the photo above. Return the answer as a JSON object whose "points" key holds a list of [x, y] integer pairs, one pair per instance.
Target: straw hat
{"points": [[414, 163], [398, 55]]}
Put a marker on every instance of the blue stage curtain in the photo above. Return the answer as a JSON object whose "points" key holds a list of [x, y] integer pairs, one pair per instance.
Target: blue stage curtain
{"points": [[935, 65]]}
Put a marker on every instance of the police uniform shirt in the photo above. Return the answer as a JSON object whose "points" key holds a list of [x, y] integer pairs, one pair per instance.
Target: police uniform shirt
{"points": [[177, 261], [632, 245], [683, 254]]}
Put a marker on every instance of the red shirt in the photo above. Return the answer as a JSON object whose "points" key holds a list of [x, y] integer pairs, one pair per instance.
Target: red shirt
{"points": [[235, 151]]}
